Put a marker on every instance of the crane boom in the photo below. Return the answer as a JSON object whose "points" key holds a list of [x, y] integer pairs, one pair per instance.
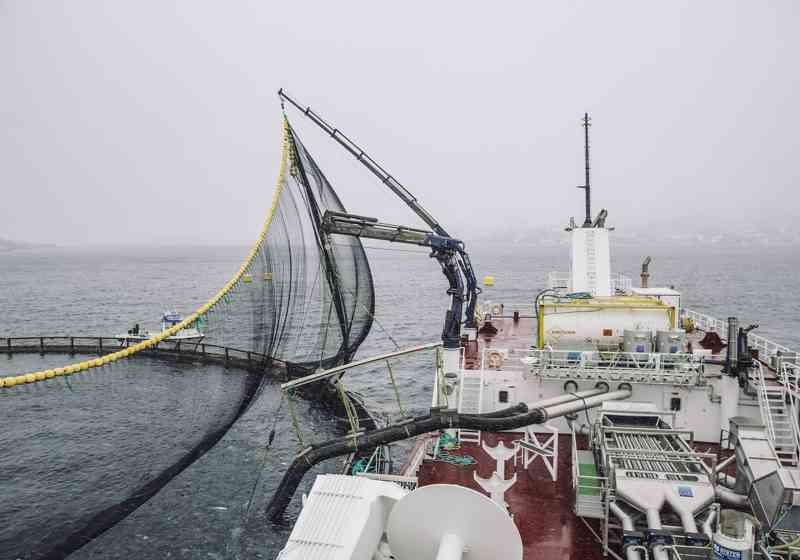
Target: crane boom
{"points": [[387, 179], [449, 252]]}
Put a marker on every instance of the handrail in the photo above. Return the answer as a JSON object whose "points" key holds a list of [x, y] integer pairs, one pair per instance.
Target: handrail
{"points": [[764, 404], [788, 374], [683, 369], [561, 280], [706, 322], [314, 377], [793, 419], [33, 377], [577, 476]]}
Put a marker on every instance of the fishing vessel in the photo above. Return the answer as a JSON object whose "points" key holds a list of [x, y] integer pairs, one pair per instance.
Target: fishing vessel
{"points": [[168, 320], [600, 418]]}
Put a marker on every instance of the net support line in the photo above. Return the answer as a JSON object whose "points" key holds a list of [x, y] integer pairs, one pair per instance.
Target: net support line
{"points": [[220, 296]]}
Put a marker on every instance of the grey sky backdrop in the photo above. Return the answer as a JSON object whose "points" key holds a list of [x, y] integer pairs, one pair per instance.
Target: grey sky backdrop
{"points": [[157, 122]]}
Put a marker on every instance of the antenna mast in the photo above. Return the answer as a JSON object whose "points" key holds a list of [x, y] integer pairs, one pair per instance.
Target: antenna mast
{"points": [[587, 186]]}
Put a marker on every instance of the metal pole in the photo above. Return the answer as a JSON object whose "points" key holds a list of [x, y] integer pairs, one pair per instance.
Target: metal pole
{"points": [[333, 371], [587, 186]]}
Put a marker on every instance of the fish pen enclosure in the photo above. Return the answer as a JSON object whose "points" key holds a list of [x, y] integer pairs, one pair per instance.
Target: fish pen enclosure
{"points": [[87, 443]]}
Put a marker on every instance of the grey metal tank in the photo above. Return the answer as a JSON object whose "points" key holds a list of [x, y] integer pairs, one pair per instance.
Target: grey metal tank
{"points": [[670, 342], [637, 341]]}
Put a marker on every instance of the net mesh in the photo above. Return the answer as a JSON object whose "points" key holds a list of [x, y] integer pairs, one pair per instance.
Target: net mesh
{"points": [[94, 440]]}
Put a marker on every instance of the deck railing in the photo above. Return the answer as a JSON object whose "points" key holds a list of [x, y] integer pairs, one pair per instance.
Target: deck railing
{"points": [[766, 348], [634, 367], [561, 281], [764, 403]]}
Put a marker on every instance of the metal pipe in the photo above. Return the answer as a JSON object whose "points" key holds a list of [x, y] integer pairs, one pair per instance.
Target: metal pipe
{"points": [[727, 480], [333, 371], [624, 518], [725, 463], [653, 518], [567, 397], [707, 523], [686, 515], [583, 404], [654, 522], [631, 552], [732, 361], [731, 498]]}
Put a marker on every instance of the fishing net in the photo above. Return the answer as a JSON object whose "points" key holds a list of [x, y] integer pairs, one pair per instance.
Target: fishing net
{"points": [[86, 444]]}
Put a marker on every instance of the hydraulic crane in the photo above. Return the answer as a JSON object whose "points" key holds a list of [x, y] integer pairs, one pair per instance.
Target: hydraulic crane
{"points": [[449, 252]]}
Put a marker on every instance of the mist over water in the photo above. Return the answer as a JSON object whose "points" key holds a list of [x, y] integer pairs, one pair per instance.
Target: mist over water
{"points": [[206, 511]]}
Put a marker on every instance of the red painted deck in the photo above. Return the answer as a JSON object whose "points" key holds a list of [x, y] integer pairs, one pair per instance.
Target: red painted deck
{"points": [[542, 509]]}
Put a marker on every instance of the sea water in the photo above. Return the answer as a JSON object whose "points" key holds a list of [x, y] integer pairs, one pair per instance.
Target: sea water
{"points": [[215, 508]]}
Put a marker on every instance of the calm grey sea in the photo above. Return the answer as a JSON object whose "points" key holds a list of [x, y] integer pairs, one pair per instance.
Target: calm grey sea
{"points": [[207, 510]]}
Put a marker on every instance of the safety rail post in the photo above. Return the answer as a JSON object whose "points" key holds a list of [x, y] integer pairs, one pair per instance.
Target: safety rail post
{"points": [[41, 345], [226, 357], [100, 344], [203, 350], [249, 361], [8, 346]]}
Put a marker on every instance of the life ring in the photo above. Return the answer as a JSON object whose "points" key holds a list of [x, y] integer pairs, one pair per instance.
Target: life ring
{"points": [[494, 359]]}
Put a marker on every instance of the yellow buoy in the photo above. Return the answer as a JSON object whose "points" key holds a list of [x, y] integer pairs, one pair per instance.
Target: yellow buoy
{"points": [[39, 375], [30, 378], [488, 280], [50, 374]]}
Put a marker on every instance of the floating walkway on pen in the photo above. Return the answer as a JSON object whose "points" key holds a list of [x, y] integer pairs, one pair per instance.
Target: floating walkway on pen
{"points": [[182, 351]]}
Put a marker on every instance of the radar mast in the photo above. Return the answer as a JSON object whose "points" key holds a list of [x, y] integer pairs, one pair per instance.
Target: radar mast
{"points": [[587, 222]]}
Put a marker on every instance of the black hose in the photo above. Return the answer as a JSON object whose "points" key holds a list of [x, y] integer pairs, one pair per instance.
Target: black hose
{"points": [[438, 419]]}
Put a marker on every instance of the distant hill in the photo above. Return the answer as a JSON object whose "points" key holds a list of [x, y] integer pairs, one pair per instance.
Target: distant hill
{"points": [[8, 245]]}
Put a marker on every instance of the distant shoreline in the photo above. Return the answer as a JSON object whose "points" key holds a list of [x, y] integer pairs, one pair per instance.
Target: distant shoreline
{"points": [[6, 245]]}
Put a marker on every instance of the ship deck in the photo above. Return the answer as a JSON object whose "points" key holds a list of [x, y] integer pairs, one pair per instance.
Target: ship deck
{"points": [[542, 509]]}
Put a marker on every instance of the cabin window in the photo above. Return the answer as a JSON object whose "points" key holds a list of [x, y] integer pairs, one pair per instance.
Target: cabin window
{"points": [[608, 332], [502, 396], [675, 404]]}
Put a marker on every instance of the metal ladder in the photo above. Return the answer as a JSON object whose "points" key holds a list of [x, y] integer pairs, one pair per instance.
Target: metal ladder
{"points": [[591, 262], [784, 426], [470, 401]]}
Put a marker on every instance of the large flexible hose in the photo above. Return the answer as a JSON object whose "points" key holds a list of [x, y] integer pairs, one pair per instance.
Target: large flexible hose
{"points": [[438, 419]]}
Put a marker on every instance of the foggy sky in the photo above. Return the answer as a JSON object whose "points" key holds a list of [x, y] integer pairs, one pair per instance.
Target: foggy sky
{"points": [[153, 122]]}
